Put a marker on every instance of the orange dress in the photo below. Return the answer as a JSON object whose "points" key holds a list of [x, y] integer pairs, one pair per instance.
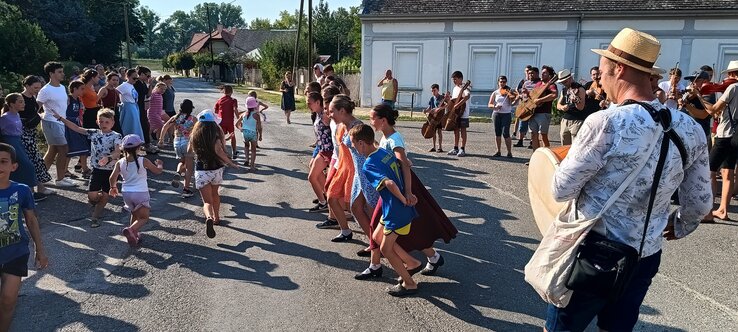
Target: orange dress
{"points": [[343, 179]]}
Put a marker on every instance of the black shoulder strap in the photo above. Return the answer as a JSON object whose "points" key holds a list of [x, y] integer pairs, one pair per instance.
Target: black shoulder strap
{"points": [[663, 116]]}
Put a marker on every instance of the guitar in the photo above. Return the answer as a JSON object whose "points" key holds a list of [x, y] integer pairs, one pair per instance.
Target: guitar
{"points": [[453, 108], [527, 108]]}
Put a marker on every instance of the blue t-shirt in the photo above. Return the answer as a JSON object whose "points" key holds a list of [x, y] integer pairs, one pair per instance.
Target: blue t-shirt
{"points": [[13, 238], [380, 166]]}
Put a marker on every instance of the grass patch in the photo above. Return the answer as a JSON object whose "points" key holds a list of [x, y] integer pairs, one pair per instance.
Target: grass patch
{"points": [[153, 64], [273, 97]]}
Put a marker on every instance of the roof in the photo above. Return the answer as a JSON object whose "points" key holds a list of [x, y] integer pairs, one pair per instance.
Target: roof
{"points": [[238, 40], [527, 7]]}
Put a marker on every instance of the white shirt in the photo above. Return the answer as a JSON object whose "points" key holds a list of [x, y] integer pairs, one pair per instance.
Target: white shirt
{"points": [[455, 94], [503, 101], [53, 98], [610, 145], [134, 177], [666, 86], [730, 98], [128, 93]]}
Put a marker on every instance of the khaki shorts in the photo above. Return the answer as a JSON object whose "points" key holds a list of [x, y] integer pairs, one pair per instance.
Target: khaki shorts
{"points": [[569, 130], [539, 123]]}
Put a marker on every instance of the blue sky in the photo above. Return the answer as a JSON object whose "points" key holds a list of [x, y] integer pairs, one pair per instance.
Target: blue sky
{"points": [[251, 8]]}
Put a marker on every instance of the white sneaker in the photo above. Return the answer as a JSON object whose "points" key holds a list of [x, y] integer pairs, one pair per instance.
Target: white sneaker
{"points": [[47, 191], [453, 152], [461, 153], [64, 183]]}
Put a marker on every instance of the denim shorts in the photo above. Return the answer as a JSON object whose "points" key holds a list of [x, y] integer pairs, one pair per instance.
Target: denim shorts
{"points": [[522, 127], [390, 103], [619, 315], [539, 123], [180, 147]]}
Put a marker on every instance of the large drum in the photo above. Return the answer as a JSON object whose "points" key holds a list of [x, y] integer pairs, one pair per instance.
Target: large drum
{"points": [[543, 164]]}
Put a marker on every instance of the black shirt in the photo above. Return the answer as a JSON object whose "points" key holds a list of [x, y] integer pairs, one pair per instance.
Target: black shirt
{"points": [[29, 115], [591, 104], [572, 113], [143, 90]]}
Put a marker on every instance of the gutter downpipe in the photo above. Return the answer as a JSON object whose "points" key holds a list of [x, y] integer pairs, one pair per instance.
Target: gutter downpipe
{"points": [[577, 43], [448, 60]]}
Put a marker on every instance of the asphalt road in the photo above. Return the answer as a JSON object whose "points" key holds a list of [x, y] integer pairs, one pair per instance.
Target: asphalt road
{"points": [[269, 268]]}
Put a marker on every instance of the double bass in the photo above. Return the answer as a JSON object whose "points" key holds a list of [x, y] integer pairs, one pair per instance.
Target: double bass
{"points": [[452, 109], [527, 108], [434, 119]]}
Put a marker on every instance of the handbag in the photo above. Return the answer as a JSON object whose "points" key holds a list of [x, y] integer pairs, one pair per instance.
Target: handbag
{"points": [[604, 267]]}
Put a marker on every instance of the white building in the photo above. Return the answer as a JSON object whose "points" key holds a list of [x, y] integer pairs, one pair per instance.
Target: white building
{"points": [[424, 41]]}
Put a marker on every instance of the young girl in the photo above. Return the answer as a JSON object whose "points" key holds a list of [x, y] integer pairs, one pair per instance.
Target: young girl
{"points": [[79, 145], [183, 122], [288, 95], [109, 97], [132, 168], [227, 109], [436, 224], [31, 119], [11, 129], [263, 106], [250, 125], [155, 113], [323, 149], [207, 143]]}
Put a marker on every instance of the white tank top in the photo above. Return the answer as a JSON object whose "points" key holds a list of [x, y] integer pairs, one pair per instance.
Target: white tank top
{"points": [[134, 178]]}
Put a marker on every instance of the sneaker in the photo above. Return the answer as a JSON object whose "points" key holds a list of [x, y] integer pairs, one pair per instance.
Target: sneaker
{"points": [[37, 197], [343, 238], [209, 228], [328, 223], [432, 150], [64, 183], [319, 208], [95, 223], [509, 155], [71, 176], [47, 191], [175, 181], [519, 144], [440, 150], [187, 193], [453, 152], [461, 153], [369, 274]]}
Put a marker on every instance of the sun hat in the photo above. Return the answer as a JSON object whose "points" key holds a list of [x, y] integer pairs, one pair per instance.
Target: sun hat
{"points": [[251, 102], [563, 75], [732, 66], [633, 48], [131, 141], [208, 116]]}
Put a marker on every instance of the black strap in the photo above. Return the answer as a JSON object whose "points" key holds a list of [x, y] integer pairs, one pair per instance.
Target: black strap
{"points": [[663, 116]]}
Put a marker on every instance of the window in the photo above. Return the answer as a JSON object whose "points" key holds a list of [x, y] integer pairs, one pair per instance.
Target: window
{"points": [[518, 57], [483, 67], [406, 66], [726, 54]]}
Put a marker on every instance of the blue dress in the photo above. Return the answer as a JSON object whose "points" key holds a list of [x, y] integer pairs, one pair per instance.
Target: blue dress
{"points": [[78, 144], [11, 129]]}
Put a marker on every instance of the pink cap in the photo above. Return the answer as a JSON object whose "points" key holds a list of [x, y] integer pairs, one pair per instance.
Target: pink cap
{"points": [[251, 102]]}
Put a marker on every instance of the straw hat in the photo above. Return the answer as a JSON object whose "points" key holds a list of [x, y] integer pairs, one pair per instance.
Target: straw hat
{"points": [[563, 75], [732, 66], [633, 48]]}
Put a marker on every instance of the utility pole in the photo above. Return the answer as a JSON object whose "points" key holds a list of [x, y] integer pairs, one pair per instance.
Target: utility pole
{"points": [[310, 34], [297, 40], [128, 33], [210, 42]]}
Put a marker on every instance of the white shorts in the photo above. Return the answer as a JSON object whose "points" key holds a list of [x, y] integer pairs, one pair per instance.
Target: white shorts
{"points": [[204, 178]]}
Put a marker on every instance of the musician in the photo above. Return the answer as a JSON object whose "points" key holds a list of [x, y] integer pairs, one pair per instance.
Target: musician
{"points": [[501, 104], [525, 85], [596, 98], [692, 104], [610, 146], [434, 103], [658, 93], [389, 89], [723, 153], [463, 121], [541, 119], [571, 103], [673, 88]]}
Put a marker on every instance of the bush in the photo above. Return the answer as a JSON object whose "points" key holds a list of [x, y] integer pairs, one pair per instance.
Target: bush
{"points": [[25, 46], [10, 82], [347, 66]]}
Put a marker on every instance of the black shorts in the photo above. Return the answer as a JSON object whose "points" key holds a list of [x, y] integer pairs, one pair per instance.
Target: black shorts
{"points": [[462, 122], [100, 180], [16, 267], [722, 155]]}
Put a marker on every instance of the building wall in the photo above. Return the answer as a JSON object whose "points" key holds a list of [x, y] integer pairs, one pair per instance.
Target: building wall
{"points": [[423, 53]]}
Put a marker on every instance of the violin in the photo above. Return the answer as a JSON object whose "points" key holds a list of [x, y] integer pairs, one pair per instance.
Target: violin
{"points": [[710, 88]]}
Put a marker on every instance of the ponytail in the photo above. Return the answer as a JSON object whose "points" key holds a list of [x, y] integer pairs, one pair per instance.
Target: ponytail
{"points": [[383, 111], [11, 98]]}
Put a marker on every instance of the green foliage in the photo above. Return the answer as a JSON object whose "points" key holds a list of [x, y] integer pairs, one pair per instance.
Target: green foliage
{"points": [[260, 24], [10, 82], [186, 61], [202, 60], [277, 56], [347, 66], [25, 47], [335, 31]]}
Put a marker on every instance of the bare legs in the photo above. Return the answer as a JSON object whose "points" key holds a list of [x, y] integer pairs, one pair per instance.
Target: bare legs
{"points": [[58, 154]]}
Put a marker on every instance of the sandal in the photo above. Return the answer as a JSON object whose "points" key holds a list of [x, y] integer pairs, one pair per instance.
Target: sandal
{"points": [[400, 291]]}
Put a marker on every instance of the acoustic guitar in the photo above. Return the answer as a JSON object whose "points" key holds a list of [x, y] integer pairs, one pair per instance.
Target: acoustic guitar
{"points": [[453, 109], [527, 108]]}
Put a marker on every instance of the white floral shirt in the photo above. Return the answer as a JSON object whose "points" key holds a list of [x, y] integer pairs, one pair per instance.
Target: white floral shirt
{"points": [[610, 145]]}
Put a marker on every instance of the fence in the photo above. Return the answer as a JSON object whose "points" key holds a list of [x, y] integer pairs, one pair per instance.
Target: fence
{"points": [[252, 77]]}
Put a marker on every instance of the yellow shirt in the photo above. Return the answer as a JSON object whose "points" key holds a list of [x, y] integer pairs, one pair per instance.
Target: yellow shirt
{"points": [[388, 90]]}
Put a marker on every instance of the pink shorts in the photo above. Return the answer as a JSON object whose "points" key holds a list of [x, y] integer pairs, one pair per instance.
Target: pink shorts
{"points": [[135, 200]]}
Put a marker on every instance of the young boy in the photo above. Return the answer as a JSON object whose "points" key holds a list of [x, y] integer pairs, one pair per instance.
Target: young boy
{"points": [[382, 170], [463, 121], [227, 109], [435, 101], [105, 151], [16, 205]]}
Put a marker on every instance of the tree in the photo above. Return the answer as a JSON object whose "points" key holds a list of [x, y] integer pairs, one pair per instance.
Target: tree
{"points": [[225, 14], [28, 47], [150, 22], [335, 32], [277, 56], [260, 24]]}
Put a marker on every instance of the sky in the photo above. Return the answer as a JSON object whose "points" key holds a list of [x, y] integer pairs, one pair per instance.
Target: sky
{"points": [[251, 8]]}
